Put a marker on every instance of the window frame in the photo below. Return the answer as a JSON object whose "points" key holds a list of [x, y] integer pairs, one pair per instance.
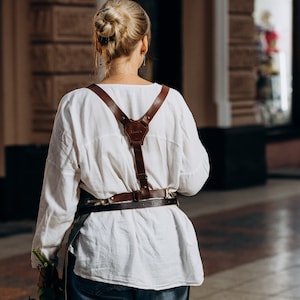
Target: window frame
{"points": [[292, 130]]}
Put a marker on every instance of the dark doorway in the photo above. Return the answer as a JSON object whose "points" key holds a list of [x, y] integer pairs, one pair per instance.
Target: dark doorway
{"points": [[166, 44]]}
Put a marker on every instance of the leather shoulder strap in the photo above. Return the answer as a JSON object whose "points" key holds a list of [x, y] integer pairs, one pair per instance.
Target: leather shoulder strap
{"points": [[120, 115], [148, 116]]}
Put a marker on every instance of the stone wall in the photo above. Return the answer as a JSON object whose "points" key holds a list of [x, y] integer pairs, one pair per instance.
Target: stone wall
{"points": [[242, 54], [61, 56]]}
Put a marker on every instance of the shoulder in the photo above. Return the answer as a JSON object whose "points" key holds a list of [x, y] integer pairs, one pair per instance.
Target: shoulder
{"points": [[75, 98], [76, 95], [177, 104], [176, 98]]}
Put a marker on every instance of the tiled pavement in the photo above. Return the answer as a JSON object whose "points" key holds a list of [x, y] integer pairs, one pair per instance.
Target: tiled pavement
{"points": [[249, 241]]}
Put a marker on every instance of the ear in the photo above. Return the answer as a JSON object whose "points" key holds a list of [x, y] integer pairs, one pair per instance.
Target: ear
{"points": [[145, 44]]}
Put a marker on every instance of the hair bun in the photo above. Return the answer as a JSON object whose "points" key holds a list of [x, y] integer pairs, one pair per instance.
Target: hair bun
{"points": [[118, 26]]}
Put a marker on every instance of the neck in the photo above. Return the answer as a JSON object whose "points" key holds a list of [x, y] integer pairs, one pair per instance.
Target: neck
{"points": [[123, 66], [125, 78], [124, 70], [121, 75]]}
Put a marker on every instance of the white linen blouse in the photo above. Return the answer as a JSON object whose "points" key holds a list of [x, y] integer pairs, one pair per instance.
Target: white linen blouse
{"points": [[149, 248]]}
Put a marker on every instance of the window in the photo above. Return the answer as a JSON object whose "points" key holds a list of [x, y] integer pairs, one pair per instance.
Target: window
{"points": [[274, 34]]}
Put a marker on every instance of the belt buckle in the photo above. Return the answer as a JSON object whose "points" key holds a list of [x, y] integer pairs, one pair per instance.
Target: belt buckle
{"points": [[105, 202], [136, 196], [97, 202], [171, 195]]}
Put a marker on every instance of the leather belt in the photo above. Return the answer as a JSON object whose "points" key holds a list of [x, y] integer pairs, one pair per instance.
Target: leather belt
{"points": [[88, 203]]}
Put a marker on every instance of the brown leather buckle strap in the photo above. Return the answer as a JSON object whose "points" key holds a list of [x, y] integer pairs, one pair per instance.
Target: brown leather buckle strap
{"points": [[137, 195], [89, 203], [131, 196]]}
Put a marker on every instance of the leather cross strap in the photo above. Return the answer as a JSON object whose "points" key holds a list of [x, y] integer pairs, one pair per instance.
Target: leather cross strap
{"points": [[135, 130], [121, 116]]}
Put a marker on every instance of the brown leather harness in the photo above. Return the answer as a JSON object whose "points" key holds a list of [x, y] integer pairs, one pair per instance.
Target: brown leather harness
{"points": [[135, 130]]}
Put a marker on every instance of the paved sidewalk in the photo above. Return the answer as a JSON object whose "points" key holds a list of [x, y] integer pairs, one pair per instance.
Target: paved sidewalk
{"points": [[17, 278], [249, 241]]}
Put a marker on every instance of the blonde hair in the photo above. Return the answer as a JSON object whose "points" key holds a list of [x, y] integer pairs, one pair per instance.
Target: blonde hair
{"points": [[118, 26]]}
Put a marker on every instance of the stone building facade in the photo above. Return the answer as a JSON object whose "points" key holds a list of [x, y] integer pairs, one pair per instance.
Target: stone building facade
{"points": [[61, 57], [242, 59]]}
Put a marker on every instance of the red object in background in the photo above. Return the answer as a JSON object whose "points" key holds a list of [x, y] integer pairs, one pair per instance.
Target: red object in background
{"points": [[271, 39]]}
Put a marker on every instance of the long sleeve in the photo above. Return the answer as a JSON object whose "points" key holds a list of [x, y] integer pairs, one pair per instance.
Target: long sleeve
{"points": [[59, 196], [195, 162]]}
